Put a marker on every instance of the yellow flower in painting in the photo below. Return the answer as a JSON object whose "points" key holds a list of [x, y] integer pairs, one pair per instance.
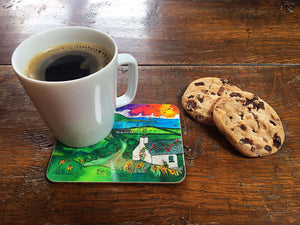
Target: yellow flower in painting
{"points": [[172, 172], [155, 170], [69, 167], [140, 165], [163, 169], [61, 162], [128, 166]]}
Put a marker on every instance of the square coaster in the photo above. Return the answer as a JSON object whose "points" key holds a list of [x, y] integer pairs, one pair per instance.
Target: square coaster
{"points": [[145, 145]]}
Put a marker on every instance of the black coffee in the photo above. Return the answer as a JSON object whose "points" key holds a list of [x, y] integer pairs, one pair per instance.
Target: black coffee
{"points": [[67, 62]]}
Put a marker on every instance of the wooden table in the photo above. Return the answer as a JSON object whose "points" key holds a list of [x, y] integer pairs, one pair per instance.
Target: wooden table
{"points": [[254, 44]]}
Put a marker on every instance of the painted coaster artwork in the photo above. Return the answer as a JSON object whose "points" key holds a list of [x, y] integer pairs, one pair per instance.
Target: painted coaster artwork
{"points": [[145, 145]]}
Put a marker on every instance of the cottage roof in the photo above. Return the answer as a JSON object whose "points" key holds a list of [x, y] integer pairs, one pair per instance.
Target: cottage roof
{"points": [[164, 147]]}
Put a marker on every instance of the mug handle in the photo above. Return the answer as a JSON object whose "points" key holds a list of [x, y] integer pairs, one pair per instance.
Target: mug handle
{"points": [[126, 59]]}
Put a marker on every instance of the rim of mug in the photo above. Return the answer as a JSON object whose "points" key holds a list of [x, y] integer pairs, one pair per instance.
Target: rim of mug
{"points": [[20, 73]]}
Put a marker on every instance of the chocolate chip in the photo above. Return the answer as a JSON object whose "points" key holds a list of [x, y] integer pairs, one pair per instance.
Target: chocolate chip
{"points": [[256, 119], [204, 91], [230, 117], [200, 99], [257, 106], [255, 116], [248, 102], [254, 98], [213, 93], [246, 141], [224, 81], [191, 96], [243, 127], [268, 148], [190, 105], [220, 91], [276, 141], [272, 122], [242, 116], [201, 83], [260, 105], [234, 94]]}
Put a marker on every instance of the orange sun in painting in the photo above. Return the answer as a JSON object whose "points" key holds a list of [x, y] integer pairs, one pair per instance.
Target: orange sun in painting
{"points": [[168, 111]]}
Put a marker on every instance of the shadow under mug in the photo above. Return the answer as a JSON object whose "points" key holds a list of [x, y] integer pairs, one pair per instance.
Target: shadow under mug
{"points": [[79, 112]]}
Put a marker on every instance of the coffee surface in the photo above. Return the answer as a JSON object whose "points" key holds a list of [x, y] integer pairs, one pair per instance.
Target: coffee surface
{"points": [[67, 62]]}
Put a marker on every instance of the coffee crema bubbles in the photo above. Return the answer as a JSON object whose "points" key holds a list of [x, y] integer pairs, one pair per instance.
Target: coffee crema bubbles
{"points": [[67, 62]]}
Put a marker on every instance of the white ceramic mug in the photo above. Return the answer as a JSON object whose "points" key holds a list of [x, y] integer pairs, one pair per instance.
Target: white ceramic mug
{"points": [[79, 112]]}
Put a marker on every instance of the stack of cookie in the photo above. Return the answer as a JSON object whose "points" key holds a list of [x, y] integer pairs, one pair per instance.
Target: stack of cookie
{"points": [[250, 124]]}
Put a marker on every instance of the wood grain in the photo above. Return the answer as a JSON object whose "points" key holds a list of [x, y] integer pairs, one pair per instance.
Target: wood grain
{"points": [[254, 44], [168, 32], [221, 186]]}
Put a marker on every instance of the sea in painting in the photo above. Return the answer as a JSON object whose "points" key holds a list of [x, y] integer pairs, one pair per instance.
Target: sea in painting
{"points": [[145, 145]]}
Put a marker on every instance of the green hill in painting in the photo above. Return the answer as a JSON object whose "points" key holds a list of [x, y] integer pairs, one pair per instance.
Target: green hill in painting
{"points": [[119, 117], [154, 130]]}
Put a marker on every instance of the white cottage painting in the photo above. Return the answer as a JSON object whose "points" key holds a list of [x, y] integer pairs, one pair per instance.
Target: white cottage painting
{"points": [[145, 145], [160, 152]]}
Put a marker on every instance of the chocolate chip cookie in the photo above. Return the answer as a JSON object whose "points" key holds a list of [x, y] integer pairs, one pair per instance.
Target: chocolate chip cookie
{"points": [[201, 95], [250, 124]]}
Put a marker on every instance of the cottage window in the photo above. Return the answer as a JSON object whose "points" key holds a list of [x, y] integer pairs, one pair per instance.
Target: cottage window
{"points": [[171, 158]]}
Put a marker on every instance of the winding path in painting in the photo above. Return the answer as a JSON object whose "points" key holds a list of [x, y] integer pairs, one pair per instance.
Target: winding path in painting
{"points": [[115, 161]]}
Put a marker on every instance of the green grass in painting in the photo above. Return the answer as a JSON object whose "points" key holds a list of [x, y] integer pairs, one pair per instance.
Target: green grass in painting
{"points": [[111, 159], [66, 169], [78, 173]]}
